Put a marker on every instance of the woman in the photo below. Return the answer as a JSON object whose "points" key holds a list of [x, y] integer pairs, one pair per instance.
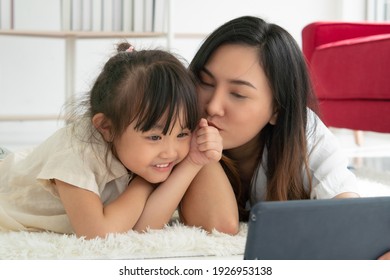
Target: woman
{"points": [[254, 87]]}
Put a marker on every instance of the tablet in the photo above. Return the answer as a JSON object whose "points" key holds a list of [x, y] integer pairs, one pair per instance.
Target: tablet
{"points": [[328, 229]]}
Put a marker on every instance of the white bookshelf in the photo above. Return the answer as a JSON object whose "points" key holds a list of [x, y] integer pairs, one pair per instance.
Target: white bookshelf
{"points": [[96, 30]]}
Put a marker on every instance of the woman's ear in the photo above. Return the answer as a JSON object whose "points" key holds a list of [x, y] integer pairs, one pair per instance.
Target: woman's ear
{"points": [[274, 118], [103, 125]]}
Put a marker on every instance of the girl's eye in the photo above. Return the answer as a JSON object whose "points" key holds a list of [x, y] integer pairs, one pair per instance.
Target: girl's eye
{"points": [[154, 137], [183, 135]]}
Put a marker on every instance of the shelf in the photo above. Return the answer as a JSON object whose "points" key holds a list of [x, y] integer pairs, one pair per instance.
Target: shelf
{"points": [[82, 34], [70, 38], [15, 118]]}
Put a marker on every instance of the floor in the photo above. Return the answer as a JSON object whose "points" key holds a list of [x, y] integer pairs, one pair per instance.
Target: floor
{"points": [[373, 153]]}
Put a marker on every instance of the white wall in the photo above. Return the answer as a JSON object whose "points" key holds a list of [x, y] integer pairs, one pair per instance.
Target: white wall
{"points": [[32, 69], [203, 16]]}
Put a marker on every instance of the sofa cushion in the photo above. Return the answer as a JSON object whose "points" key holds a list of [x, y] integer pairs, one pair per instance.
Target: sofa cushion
{"points": [[353, 68]]}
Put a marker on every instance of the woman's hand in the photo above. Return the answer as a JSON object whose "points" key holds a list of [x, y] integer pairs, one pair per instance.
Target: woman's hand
{"points": [[386, 256], [206, 144]]}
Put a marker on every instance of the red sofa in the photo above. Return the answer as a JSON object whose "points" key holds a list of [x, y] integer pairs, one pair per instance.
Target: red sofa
{"points": [[350, 67]]}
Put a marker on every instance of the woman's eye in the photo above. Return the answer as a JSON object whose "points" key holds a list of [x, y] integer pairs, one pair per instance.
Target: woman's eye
{"points": [[237, 95], [206, 84]]}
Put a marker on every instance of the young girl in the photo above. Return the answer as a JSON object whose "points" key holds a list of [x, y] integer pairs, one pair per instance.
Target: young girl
{"points": [[125, 164], [253, 85]]}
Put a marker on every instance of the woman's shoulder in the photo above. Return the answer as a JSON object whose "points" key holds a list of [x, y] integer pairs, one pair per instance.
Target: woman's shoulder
{"points": [[316, 130], [321, 142], [313, 120]]}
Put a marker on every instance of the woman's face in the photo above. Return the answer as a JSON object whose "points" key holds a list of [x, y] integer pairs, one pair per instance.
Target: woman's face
{"points": [[235, 95]]}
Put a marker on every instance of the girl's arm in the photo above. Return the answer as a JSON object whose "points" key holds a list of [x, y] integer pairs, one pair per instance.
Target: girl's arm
{"points": [[90, 218], [206, 147]]}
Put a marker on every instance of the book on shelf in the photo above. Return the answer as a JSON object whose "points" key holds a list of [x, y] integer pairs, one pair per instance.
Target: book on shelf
{"points": [[148, 15], [127, 15], [86, 15], [138, 15], [117, 20], [97, 15], [159, 16], [76, 10], [107, 15]]}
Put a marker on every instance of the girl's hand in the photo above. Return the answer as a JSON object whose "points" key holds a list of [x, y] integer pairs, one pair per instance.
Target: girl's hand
{"points": [[206, 144]]}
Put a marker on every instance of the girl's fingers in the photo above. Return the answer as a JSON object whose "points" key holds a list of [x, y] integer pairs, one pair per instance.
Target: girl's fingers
{"points": [[206, 130], [203, 123], [213, 155], [210, 146], [208, 141]]}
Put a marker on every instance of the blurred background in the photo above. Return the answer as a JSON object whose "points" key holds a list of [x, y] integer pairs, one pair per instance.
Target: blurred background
{"points": [[52, 50]]}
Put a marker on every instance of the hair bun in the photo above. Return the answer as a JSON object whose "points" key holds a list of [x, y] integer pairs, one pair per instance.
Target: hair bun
{"points": [[125, 47]]}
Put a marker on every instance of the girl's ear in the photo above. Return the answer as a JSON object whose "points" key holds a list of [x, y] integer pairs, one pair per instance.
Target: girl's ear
{"points": [[103, 125]]}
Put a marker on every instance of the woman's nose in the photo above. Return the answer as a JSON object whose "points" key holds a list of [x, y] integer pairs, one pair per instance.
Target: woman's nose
{"points": [[214, 106]]}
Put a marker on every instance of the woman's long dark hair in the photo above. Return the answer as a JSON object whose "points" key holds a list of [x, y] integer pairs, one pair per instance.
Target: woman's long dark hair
{"points": [[288, 77]]}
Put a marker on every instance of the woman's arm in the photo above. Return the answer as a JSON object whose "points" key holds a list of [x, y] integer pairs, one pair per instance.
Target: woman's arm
{"points": [[347, 195], [210, 202], [385, 256], [90, 218]]}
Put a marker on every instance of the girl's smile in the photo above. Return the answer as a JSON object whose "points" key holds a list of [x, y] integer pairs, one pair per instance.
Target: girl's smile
{"points": [[151, 154], [166, 167]]}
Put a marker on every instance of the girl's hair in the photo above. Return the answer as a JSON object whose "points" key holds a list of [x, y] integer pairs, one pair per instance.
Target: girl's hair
{"points": [[147, 87], [287, 74]]}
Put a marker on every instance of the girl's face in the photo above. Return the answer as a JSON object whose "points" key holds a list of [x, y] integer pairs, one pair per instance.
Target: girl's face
{"points": [[151, 154], [235, 95]]}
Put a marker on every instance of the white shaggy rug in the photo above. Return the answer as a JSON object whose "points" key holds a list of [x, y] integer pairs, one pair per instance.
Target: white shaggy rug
{"points": [[174, 241]]}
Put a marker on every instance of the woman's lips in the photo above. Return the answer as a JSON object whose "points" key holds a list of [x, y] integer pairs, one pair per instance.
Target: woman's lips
{"points": [[213, 124]]}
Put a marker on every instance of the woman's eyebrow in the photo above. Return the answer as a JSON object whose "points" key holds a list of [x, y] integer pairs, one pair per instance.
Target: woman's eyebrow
{"points": [[241, 83], [207, 72], [232, 81]]}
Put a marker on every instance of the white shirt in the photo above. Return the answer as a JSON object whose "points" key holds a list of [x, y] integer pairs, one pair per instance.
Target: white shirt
{"points": [[28, 199], [327, 163]]}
